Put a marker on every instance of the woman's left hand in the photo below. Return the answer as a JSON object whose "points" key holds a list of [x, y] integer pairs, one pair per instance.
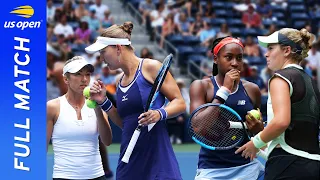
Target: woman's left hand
{"points": [[149, 117], [248, 150]]}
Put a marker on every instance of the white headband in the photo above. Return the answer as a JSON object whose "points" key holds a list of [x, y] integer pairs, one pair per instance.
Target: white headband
{"points": [[103, 42], [76, 65]]}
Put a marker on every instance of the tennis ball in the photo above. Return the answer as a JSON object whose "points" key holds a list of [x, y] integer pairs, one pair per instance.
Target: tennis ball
{"points": [[255, 114], [91, 104], [86, 92]]}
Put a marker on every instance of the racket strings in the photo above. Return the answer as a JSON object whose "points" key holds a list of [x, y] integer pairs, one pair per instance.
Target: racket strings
{"points": [[211, 127]]}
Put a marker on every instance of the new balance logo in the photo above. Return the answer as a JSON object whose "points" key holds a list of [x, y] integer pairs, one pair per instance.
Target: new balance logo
{"points": [[124, 98], [241, 102]]}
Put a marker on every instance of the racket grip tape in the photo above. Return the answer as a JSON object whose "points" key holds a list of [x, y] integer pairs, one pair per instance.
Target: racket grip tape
{"points": [[131, 146], [237, 125]]}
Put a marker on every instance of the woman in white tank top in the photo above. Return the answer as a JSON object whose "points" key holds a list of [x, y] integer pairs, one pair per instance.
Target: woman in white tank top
{"points": [[75, 128]]}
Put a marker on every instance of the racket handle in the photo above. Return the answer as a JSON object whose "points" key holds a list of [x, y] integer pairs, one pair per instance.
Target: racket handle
{"points": [[131, 146], [262, 154], [237, 125]]}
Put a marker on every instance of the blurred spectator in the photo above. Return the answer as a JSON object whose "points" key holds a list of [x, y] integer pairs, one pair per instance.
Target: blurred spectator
{"points": [[243, 7], [246, 70], [81, 10], [144, 53], [99, 9], [63, 46], [193, 6], [206, 35], [272, 29], [313, 58], [184, 25], [224, 31], [198, 24], [107, 20], [255, 78], [157, 16], [251, 48], [50, 34], [176, 124], [82, 35], [92, 20], [63, 28], [67, 8], [280, 3], [50, 11], [265, 11], [97, 65], [209, 10], [108, 77], [266, 74], [251, 18], [145, 7], [91, 58], [167, 28]]}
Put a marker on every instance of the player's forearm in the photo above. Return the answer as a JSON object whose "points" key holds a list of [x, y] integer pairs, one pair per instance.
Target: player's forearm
{"points": [[175, 107], [273, 130], [114, 116], [104, 128]]}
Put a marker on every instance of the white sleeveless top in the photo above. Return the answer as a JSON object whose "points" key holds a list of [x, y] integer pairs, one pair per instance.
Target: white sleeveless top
{"points": [[75, 144]]}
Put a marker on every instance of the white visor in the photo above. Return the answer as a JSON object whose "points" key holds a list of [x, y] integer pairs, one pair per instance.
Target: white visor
{"points": [[77, 65], [103, 42], [271, 39]]}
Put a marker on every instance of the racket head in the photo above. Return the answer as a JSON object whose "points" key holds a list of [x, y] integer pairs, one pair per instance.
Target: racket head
{"points": [[158, 81], [209, 127]]}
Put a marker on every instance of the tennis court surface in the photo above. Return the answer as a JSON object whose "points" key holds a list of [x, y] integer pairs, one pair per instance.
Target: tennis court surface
{"points": [[187, 155]]}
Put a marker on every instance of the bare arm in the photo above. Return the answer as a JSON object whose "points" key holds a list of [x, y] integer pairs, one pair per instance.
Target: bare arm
{"points": [[281, 109], [169, 89], [51, 116], [103, 126]]}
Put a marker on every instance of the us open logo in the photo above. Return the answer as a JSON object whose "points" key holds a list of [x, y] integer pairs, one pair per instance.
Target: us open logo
{"points": [[25, 12]]}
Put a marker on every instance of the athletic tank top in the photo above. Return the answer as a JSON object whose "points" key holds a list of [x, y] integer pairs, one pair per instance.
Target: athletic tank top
{"points": [[208, 159], [75, 144], [301, 137], [153, 156]]}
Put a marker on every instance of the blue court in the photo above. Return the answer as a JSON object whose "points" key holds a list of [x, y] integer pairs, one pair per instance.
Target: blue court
{"points": [[187, 162]]}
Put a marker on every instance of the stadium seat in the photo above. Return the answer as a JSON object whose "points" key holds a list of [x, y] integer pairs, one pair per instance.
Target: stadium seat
{"points": [[235, 31], [300, 16], [297, 9], [200, 50], [217, 21], [176, 39], [221, 13], [299, 24], [191, 40]]}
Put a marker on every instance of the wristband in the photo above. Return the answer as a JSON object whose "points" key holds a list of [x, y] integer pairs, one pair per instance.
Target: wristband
{"points": [[223, 93], [220, 99], [106, 105], [258, 143], [163, 113]]}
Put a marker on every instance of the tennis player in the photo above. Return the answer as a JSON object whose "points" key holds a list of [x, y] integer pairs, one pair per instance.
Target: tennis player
{"points": [[153, 156], [293, 110], [226, 87], [75, 128]]}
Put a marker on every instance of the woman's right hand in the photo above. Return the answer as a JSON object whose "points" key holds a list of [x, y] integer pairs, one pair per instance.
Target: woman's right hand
{"points": [[231, 79], [98, 92]]}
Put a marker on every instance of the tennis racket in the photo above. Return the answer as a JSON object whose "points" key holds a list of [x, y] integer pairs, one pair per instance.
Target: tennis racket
{"points": [[218, 127], [152, 97]]}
